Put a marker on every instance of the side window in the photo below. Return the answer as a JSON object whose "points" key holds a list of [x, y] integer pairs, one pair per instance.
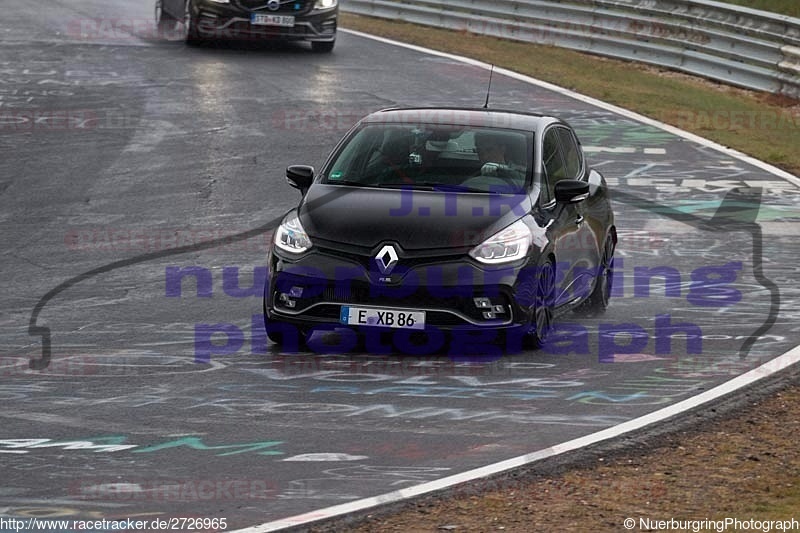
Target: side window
{"points": [[553, 164], [572, 154]]}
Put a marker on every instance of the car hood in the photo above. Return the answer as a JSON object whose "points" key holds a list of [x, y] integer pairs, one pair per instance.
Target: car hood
{"points": [[416, 220]]}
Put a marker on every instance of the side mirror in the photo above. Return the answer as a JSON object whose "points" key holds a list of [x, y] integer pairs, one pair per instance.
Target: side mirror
{"points": [[300, 176], [571, 191]]}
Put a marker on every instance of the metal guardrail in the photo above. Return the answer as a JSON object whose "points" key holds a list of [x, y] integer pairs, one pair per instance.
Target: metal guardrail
{"points": [[740, 46]]}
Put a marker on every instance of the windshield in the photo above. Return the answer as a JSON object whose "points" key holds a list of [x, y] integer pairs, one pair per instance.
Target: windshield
{"points": [[472, 159]]}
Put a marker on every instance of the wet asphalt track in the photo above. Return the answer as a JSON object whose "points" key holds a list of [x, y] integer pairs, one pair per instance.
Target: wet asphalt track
{"points": [[117, 149]]}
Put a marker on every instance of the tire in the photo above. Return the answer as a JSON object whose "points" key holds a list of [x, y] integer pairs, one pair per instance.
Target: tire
{"points": [[275, 336], [542, 321], [322, 47], [280, 339], [191, 35], [597, 302], [164, 21]]}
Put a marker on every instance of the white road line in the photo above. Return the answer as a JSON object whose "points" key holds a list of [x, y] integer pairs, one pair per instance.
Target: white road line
{"points": [[767, 369]]}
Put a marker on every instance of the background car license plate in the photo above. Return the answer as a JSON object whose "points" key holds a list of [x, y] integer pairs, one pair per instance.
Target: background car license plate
{"points": [[260, 19], [388, 318]]}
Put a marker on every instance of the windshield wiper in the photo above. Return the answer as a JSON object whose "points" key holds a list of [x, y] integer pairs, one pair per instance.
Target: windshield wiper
{"points": [[351, 183], [464, 188], [434, 186], [416, 186]]}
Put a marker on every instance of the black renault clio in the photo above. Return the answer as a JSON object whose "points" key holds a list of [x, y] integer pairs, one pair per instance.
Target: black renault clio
{"points": [[425, 223]]}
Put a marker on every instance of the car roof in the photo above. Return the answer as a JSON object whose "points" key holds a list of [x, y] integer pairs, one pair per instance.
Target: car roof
{"points": [[480, 117]]}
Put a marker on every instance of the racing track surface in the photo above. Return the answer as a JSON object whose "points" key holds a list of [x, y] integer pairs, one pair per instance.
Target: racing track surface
{"points": [[116, 144]]}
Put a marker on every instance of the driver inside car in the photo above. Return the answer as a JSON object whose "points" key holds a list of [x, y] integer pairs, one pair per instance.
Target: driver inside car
{"points": [[499, 158], [490, 149]]}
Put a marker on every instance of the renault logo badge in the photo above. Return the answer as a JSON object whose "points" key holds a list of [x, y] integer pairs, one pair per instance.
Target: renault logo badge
{"points": [[386, 259]]}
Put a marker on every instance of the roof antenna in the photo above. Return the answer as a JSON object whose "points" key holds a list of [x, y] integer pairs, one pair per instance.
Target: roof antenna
{"points": [[489, 89]]}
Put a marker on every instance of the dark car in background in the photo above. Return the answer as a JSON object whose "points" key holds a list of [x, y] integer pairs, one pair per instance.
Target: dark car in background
{"points": [[286, 20], [426, 223]]}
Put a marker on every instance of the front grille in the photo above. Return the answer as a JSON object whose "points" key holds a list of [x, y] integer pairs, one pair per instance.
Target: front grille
{"points": [[286, 7], [407, 260]]}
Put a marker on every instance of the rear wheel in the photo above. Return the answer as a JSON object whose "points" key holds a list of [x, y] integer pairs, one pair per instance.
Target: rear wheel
{"points": [[597, 302], [545, 295]]}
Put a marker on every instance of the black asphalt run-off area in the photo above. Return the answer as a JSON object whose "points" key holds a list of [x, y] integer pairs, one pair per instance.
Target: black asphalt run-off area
{"points": [[120, 147]]}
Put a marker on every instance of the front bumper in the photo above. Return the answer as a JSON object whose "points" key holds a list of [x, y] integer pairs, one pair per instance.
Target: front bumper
{"points": [[232, 21], [455, 292]]}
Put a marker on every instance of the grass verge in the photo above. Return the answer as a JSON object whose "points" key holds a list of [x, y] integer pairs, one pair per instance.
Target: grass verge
{"points": [[762, 125], [742, 468], [783, 7]]}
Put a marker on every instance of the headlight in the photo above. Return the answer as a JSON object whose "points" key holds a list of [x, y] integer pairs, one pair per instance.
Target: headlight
{"points": [[290, 235], [505, 246], [325, 4]]}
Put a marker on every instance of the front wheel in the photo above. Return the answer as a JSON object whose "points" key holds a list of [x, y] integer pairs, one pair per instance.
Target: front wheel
{"points": [[322, 47], [286, 336], [164, 21], [190, 33]]}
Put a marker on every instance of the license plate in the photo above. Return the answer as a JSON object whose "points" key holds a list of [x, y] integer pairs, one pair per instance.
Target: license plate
{"points": [[387, 318], [261, 19]]}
